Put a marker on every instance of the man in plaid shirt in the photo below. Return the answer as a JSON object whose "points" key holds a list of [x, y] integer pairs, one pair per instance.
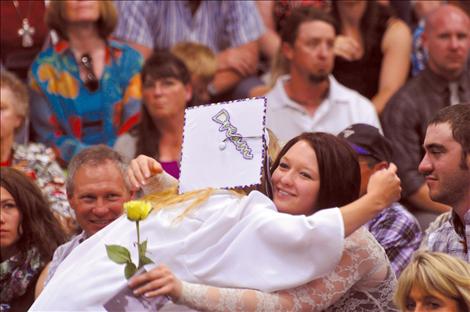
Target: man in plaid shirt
{"points": [[395, 228], [446, 166]]}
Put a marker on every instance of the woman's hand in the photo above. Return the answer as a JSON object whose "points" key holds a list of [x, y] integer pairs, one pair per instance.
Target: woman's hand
{"points": [[347, 48], [141, 170], [384, 185], [160, 281]]}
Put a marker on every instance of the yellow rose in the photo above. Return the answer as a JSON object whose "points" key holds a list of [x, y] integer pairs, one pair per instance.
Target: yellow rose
{"points": [[137, 210]]}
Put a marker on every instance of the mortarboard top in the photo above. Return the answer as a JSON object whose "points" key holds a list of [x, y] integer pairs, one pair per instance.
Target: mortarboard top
{"points": [[223, 145]]}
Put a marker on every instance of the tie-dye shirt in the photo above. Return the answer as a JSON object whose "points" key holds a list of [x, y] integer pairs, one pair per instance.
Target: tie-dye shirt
{"points": [[69, 117]]}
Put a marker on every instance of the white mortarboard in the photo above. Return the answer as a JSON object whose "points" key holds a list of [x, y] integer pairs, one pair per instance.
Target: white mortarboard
{"points": [[223, 145]]}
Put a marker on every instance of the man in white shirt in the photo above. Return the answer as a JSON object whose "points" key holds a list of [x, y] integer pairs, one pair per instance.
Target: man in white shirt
{"points": [[309, 98], [97, 189]]}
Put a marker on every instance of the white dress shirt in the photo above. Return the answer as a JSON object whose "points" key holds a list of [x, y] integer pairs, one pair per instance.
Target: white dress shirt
{"points": [[341, 108]]}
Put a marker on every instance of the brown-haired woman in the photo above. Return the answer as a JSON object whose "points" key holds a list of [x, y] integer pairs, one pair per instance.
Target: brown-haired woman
{"points": [[312, 172], [90, 83], [29, 234], [166, 92]]}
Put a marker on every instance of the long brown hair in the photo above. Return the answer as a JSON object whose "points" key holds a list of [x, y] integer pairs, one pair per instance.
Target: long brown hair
{"points": [[40, 228], [340, 175]]}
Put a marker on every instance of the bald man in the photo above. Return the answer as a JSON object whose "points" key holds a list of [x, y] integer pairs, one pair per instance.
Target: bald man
{"points": [[444, 82]]}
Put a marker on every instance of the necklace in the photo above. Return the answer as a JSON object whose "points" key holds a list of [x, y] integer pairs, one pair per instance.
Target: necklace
{"points": [[26, 32]]}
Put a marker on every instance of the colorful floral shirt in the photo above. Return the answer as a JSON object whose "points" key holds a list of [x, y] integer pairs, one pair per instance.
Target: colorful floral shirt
{"points": [[38, 162], [72, 117]]}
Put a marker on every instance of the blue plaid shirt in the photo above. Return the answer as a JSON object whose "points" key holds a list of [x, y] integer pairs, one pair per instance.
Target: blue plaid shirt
{"points": [[451, 237], [216, 24], [399, 233]]}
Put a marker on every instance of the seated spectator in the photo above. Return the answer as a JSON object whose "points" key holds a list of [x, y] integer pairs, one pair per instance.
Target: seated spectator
{"points": [[434, 281], [446, 169], [396, 229], [310, 98], [372, 50], [274, 15], [33, 159], [97, 190], [312, 172], [202, 65], [166, 92], [29, 235], [421, 10], [90, 84], [444, 82], [229, 28], [23, 34]]}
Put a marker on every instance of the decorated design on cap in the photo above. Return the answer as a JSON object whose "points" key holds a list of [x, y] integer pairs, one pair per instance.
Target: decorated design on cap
{"points": [[209, 155], [223, 118]]}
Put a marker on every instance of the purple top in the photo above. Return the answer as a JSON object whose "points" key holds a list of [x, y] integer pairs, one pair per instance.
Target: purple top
{"points": [[172, 168]]}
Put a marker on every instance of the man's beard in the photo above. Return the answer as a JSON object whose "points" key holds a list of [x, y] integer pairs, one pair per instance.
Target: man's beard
{"points": [[317, 78]]}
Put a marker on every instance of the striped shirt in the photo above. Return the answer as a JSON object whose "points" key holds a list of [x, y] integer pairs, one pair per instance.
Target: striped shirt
{"points": [[399, 233], [451, 237], [216, 24]]}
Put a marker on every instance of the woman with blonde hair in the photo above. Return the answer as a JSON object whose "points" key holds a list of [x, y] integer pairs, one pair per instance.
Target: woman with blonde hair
{"points": [[434, 281]]}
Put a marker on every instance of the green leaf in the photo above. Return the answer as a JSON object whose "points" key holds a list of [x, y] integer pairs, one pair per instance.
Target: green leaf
{"points": [[129, 270], [145, 260], [118, 254]]}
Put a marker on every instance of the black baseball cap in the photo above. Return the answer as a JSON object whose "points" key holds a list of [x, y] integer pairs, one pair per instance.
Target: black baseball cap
{"points": [[368, 141]]}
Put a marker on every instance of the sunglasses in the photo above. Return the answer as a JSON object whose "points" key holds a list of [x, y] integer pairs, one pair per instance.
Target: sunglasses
{"points": [[91, 82]]}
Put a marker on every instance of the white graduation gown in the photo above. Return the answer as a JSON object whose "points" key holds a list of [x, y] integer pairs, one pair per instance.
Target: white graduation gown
{"points": [[228, 241]]}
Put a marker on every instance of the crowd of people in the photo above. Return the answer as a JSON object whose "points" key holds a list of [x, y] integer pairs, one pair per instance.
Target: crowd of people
{"points": [[367, 104]]}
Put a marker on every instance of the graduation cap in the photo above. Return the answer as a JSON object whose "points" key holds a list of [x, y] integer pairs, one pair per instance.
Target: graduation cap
{"points": [[223, 145]]}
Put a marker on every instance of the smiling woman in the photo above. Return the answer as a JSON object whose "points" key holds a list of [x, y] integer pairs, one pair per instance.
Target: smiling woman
{"points": [[312, 172], [318, 155]]}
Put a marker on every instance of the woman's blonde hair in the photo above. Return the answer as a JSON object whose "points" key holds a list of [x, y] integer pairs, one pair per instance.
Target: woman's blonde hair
{"points": [[279, 67], [435, 272], [19, 91], [198, 58], [167, 198], [56, 20]]}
